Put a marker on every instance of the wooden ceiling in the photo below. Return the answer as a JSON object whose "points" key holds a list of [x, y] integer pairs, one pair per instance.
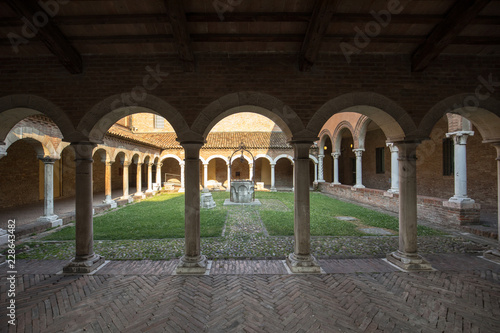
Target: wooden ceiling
{"points": [[422, 29]]}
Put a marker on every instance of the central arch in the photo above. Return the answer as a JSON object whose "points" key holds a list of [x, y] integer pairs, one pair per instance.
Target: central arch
{"points": [[255, 102]]}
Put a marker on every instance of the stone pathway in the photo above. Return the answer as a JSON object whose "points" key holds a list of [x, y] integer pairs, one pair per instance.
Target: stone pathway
{"points": [[354, 295]]}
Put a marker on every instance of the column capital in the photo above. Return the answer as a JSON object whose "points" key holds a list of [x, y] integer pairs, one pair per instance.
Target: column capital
{"points": [[192, 149], [48, 160], [321, 155], [358, 151], [182, 163], [301, 147], [336, 155], [392, 147], [205, 164], [139, 163], [126, 163], [109, 163], [272, 164], [83, 150], [460, 137], [407, 150]]}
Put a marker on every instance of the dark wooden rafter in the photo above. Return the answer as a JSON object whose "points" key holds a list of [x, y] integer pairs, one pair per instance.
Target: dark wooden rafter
{"points": [[462, 13], [50, 35], [177, 18], [241, 17], [318, 25]]}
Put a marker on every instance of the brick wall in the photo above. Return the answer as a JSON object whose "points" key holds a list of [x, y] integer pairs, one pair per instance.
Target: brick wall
{"points": [[19, 183], [372, 179], [431, 209], [284, 173]]}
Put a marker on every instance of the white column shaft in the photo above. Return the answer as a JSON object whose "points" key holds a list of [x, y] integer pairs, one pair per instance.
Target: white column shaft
{"points": [[320, 167], [359, 168], [48, 200], [273, 176], [336, 168], [394, 168], [150, 177], [125, 180]]}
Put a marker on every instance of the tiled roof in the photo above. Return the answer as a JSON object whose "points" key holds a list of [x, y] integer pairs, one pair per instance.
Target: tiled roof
{"points": [[216, 140]]}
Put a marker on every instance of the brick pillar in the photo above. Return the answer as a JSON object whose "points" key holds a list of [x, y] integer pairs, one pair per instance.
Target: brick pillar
{"points": [[85, 260], [406, 256], [495, 253], [193, 262], [301, 260]]}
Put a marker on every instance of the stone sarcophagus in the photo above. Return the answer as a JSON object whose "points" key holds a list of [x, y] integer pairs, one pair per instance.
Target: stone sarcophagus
{"points": [[242, 191]]}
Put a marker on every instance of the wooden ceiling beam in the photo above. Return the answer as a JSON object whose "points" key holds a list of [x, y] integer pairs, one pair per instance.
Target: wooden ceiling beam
{"points": [[177, 18], [282, 38], [320, 20], [242, 17], [459, 16], [50, 35]]}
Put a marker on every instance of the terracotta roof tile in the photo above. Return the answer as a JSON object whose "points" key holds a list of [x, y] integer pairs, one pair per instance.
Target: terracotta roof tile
{"points": [[217, 140]]}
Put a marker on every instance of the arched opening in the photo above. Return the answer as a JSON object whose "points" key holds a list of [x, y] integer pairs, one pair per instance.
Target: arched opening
{"points": [[284, 174], [347, 158], [327, 160], [376, 158], [99, 171], [217, 173], [240, 169], [263, 171], [312, 168]]}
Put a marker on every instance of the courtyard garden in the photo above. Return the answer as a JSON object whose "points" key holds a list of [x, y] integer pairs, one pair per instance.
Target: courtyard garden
{"points": [[154, 229]]}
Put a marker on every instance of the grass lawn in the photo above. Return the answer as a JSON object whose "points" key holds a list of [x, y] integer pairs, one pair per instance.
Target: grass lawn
{"points": [[163, 217], [323, 221], [158, 217]]}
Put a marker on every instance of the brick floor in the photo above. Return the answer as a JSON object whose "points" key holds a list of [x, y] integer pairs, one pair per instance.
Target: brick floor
{"points": [[355, 295]]}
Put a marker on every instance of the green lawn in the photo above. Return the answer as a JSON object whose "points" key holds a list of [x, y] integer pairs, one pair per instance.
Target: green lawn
{"points": [[159, 217], [163, 217]]}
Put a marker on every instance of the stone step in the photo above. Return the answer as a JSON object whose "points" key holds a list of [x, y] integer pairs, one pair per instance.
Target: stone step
{"points": [[481, 230]]}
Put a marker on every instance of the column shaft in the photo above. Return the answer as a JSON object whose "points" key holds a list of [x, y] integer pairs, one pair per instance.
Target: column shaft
{"points": [[359, 168], [205, 175], [125, 180], [302, 260], [273, 177], [407, 257], [158, 174], [183, 185], [394, 168], [48, 198], [85, 260], [139, 180], [150, 177], [321, 177], [228, 189], [192, 262], [336, 168], [460, 164]]}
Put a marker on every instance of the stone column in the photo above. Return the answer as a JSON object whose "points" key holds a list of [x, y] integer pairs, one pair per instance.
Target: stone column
{"points": [[150, 179], [406, 256], [394, 168], [107, 186], [228, 189], [301, 260], [336, 168], [138, 194], [85, 260], [126, 195], [205, 174], [315, 173], [495, 253], [48, 199], [273, 177], [183, 188], [460, 141], [250, 171], [293, 177], [158, 175], [193, 262], [321, 177], [359, 168]]}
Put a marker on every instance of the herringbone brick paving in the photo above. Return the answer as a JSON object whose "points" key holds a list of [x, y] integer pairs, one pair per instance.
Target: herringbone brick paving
{"points": [[462, 295]]}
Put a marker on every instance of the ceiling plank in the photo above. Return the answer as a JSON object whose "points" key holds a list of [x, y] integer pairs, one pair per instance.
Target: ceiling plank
{"points": [[459, 16], [318, 24], [50, 34], [177, 18]]}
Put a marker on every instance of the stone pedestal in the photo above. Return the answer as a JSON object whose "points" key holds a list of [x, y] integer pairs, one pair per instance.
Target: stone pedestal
{"points": [[409, 261], [207, 201], [242, 191], [192, 265]]}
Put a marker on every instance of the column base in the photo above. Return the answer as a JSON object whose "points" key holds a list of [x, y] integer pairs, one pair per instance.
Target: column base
{"points": [[127, 199], [139, 195], [393, 190], [320, 181], [461, 200], [303, 264], [111, 203], [182, 190], [273, 189], [84, 266], [358, 186], [409, 262], [54, 220], [493, 255], [192, 265]]}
